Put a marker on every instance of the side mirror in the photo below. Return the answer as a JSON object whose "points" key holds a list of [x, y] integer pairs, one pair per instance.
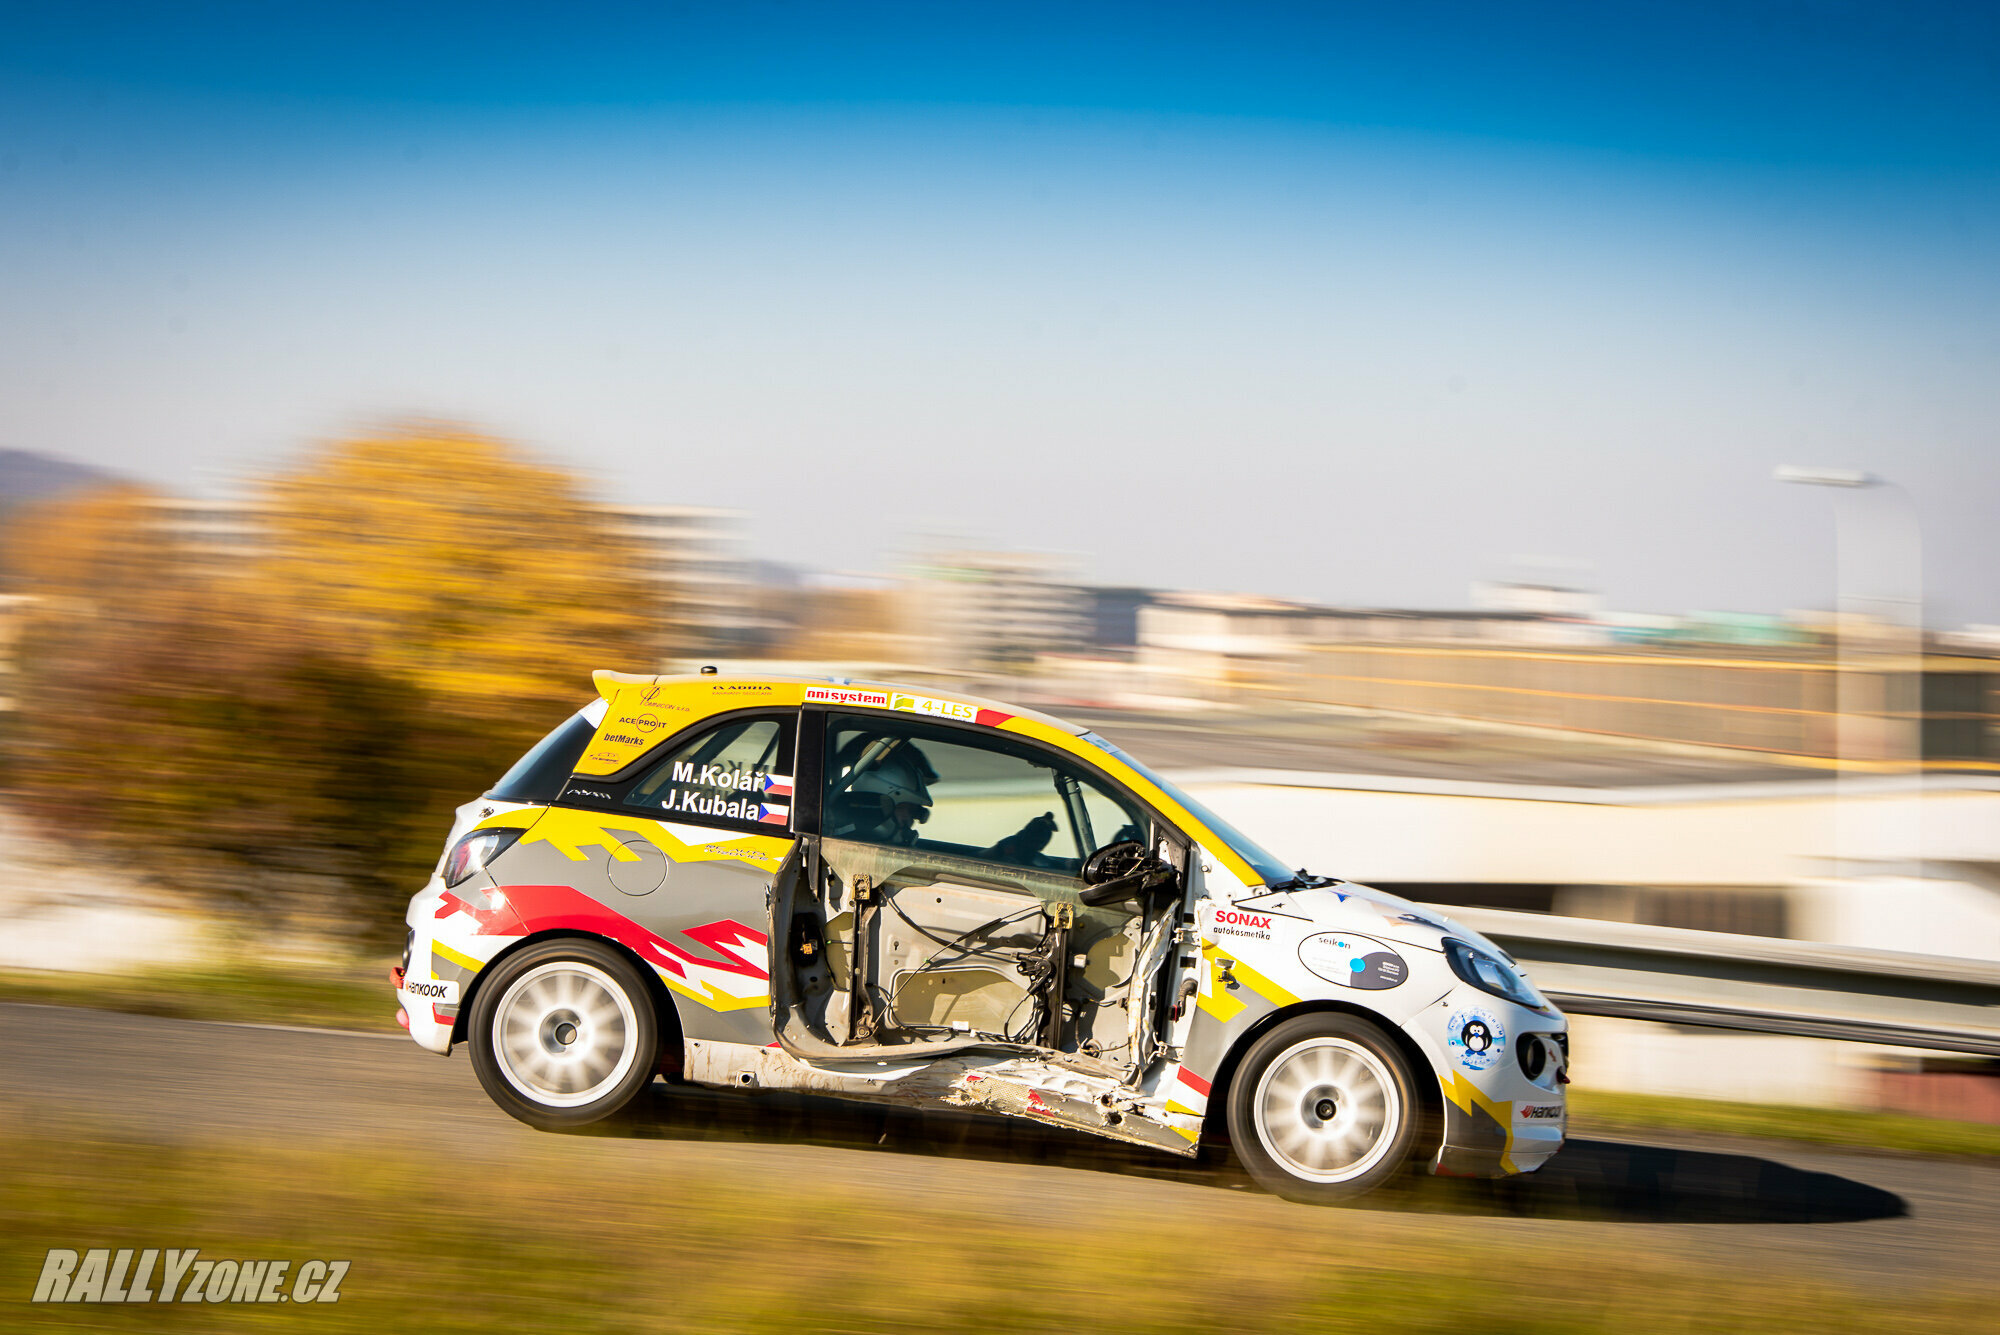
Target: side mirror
{"points": [[1122, 871]]}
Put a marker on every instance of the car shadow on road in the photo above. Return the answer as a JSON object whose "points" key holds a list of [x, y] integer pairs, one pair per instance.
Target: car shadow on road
{"points": [[1590, 1179]]}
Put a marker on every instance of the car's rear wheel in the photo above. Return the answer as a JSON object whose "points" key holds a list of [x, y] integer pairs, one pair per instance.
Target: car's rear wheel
{"points": [[564, 1033], [1323, 1109]]}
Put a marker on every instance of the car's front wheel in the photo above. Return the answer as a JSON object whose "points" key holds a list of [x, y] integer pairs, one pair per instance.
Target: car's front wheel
{"points": [[1323, 1108], [564, 1033]]}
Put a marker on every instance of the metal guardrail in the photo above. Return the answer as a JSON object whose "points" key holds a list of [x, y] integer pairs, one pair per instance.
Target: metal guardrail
{"points": [[1718, 980]]}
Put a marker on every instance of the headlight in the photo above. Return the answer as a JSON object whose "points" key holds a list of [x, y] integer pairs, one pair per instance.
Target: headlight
{"points": [[1491, 974], [473, 852]]}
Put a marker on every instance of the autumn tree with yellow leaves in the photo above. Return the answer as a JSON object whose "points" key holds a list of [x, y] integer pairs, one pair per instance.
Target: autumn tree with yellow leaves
{"points": [[289, 732], [452, 558]]}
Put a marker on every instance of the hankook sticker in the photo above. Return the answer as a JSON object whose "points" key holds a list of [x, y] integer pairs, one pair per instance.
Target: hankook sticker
{"points": [[441, 990]]}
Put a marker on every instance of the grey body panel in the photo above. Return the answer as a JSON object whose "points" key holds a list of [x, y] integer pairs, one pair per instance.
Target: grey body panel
{"points": [[688, 895]]}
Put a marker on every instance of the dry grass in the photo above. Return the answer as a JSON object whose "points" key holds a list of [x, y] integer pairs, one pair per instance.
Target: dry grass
{"points": [[583, 1244], [1594, 1112]]}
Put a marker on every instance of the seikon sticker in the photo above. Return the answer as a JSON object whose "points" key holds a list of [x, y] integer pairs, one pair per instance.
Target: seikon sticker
{"points": [[1352, 961]]}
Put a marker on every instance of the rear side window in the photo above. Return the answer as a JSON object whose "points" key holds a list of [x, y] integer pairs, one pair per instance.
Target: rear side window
{"points": [[737, 774], [539, 775]]}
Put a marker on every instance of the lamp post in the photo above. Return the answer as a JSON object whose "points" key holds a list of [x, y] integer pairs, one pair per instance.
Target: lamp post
{"points": [[1878, 574]]}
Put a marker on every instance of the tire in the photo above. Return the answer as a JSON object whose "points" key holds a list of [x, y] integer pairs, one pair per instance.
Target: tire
{"points": [[564, 1034], [1323, 1109]]}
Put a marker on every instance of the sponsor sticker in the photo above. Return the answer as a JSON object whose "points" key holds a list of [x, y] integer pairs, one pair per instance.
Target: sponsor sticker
{"points": [[443, 991], [927, 705], [645, 721], [733, 851], [924, 704], [172, 1274], [1352, 961], [1475, 1038], [1540, 1112], [1233, 922], [846, 695]]}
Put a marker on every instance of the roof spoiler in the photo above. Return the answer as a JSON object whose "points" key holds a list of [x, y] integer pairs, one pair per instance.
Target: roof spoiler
{"points": [[608, 681]]}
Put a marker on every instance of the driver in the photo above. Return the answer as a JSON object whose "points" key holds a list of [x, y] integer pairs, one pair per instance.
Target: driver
{"points": [[887, 793]]}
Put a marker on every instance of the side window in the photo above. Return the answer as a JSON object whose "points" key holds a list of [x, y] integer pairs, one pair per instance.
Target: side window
{"points": [[737, 774], [539, 775], [945, 792], [1107, 820]]}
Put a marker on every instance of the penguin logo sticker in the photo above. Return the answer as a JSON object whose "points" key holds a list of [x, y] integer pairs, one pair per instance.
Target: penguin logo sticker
{"points": [[1476, 1039]]}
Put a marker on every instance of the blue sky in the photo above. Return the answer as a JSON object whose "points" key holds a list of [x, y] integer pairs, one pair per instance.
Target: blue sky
{"points": [[1346, 303]]}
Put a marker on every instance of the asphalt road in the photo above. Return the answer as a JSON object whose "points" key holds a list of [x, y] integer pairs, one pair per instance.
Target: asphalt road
{"points": [[1860, 1216]]}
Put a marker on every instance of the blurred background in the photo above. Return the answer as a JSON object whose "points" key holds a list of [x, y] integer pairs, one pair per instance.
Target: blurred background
{"points": [[1536, 461]]}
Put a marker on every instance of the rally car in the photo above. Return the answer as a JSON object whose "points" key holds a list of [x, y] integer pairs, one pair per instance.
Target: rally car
{"points": [[900, 896]]}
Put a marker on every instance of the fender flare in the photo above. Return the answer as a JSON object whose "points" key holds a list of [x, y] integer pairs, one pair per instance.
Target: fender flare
{"points": [[673, 1041], [1215, 1117]]}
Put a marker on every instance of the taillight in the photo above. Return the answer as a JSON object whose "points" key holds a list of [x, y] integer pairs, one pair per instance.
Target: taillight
{"points": [[472, 853]]}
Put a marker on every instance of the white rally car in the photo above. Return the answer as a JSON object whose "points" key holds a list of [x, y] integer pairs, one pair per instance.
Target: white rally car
{"points": [[891, 895]]}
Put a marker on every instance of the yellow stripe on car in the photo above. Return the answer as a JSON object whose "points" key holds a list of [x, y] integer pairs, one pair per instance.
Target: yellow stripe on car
{"points": [[1466, 1096]]}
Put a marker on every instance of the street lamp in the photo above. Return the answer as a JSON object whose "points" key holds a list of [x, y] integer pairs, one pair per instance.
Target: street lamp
{"points": [[1879, 546]]}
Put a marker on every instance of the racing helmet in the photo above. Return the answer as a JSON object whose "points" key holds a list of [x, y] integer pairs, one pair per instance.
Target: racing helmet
{"points": [[887, 794]]}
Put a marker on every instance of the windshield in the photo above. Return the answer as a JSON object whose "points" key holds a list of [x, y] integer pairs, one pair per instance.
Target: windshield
{"points": [[1260, 860]]}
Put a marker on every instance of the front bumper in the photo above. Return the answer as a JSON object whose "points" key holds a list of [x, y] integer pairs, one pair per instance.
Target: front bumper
{"points": [[1498, 1118], [429, 986]]}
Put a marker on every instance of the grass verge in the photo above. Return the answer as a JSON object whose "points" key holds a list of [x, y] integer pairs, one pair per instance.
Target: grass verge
{"points": [[356, 997], [1596, 1111], [584, 1242]]}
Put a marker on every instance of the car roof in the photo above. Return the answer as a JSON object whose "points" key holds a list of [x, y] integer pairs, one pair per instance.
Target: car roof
{"points": [[705, 694], [605, 680]]}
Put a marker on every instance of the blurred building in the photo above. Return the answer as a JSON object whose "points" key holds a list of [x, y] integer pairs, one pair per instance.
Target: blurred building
{"points": [[696, 560], [1209, 645], [213, 536], [977, 611], [1549, 600], [1113, 613]]}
